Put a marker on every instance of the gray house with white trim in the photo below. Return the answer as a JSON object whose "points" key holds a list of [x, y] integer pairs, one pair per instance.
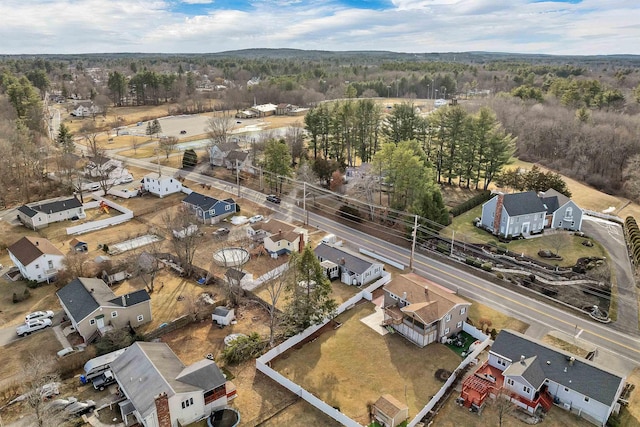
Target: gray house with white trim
{"points": [[527, 213], [94, 309], [533, 370], [39, 215], [352, 268]]}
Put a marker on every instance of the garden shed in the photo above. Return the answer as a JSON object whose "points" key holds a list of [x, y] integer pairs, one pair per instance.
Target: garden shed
{"points": [[223, 316]]}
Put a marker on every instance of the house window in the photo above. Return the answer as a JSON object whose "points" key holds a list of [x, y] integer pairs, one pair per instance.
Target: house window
{"points": [[37, 266], [140, 317], [227, 208], [50, 264], [446, 331], [39, 276], [114, 314], [92, 321], [463, 310], [187, 403], [568, 213], [446, 319], [459, 325], [586, 399], [509, 381], [526, 389]]}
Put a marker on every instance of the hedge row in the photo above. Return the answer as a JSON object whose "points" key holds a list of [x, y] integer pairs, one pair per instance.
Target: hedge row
{"points": [[471, 203], [633, 236]]}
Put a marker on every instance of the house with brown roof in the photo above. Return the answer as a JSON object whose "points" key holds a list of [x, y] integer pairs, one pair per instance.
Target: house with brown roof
{"points": [[421, 310], [279, 237], [389, 411], [36, 258]]}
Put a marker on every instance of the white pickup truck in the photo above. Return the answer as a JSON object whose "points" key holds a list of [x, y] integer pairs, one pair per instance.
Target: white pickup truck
{"points": [[32, 326]]}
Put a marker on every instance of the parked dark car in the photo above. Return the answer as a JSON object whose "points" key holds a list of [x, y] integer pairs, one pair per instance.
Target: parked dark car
{"points": [[183, 132]]}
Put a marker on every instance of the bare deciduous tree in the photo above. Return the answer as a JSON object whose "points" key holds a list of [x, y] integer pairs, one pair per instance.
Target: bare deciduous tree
{"points": [[219, 128], [185, 241], [168, 145], [37, 370], [295, 140]]}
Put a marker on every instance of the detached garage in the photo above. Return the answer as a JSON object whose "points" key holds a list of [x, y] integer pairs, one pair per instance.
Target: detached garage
{"points": [[223, 316]]}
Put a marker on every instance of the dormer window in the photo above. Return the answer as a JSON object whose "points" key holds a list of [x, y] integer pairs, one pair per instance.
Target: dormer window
{"points": [[568, 213]]}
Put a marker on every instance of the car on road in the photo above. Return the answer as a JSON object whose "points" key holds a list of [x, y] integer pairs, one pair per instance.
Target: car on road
{"points": [[48, 314], [32, 326], [273, 199], [183, 132], [221, 232], [255, 219]]}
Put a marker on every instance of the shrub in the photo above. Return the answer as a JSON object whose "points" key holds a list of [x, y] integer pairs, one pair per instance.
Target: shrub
{"points": [[443, 248], [32, 284], [350, 213], [105, 248], [487, 266], [244, 348], [493, 333], [499, 275], [471, 203]]}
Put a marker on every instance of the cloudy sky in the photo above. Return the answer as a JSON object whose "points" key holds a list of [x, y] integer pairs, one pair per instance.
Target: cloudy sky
{"points": [[580, 27]]}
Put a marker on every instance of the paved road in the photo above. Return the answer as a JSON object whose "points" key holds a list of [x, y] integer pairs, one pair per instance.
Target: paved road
{"points": [[611, 236], [617, 350]]}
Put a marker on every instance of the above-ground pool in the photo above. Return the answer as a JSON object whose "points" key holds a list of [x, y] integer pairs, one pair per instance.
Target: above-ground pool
{"points": [[227, 417], [231, 257]]}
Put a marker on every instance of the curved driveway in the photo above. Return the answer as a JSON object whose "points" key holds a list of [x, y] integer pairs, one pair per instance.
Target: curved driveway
{"points": [[611, 236]]}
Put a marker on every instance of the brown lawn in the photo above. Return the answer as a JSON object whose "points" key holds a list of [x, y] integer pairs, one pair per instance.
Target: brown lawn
{"points": [[630, 416], [572, 348], [481, 315], [353, 365]]}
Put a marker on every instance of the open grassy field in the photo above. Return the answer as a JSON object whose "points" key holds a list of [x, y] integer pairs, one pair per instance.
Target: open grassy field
{"points": [[353, 365]]}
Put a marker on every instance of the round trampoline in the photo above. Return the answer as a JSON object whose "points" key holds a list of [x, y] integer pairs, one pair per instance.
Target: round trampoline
{"points": [[231, 257]]}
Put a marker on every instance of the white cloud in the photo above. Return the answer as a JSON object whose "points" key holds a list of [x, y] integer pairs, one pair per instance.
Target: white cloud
{"points": [[78, 26], [198, 1]]}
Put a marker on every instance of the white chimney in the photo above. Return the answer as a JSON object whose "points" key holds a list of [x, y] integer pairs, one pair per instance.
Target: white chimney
{"points": [[522, 359]]}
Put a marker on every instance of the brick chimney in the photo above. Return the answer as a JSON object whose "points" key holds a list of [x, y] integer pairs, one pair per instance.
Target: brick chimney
{"points": [[498, 215], [301, 243], [162, 409]]}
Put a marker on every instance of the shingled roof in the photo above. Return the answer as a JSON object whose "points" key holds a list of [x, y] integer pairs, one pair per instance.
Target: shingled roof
{"points": [[428, 300], [353, 262], [50, 207], [204, 202], [523, 203], [542, 361], [28, 249]]}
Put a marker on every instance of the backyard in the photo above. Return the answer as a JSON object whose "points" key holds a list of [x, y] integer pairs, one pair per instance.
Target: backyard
{"points": [[351, 366]]}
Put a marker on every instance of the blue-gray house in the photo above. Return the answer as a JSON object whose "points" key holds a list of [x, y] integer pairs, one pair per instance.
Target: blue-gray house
{"points": [[207, 209], [523, 214]]}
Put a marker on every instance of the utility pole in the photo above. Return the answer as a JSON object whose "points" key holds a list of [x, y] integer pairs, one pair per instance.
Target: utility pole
{"points": [[238, 178], [414, 234], [304, 203], [453, 236]]}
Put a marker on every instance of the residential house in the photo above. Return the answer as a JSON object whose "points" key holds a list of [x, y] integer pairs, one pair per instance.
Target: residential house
{"points": [[160, 391], [423, 311], [207, 209], [94, 309], [85, 109], [562, 212], [523, 214], [39, 215], [535, 375], [36, 258], [389, 411], [219, 152], [239, 159], [161, 185], [279, 237], [352, 268], [246, 114]]}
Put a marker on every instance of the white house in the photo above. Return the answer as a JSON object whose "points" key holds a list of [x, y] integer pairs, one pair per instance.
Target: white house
{"points": [[161, 185], [218, 152], [39, 215], [36, 258], [278, 237], [353, 268], [86, 109], [534, 372], [160, 391]]}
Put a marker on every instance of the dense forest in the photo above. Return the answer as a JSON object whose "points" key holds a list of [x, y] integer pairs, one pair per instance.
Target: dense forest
{"points": [[576, 115]]}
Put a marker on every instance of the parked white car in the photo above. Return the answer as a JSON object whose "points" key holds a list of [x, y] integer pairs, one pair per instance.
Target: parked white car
{"points": [[68, 350], [255, 219], [48, 314], [32, 326]]}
